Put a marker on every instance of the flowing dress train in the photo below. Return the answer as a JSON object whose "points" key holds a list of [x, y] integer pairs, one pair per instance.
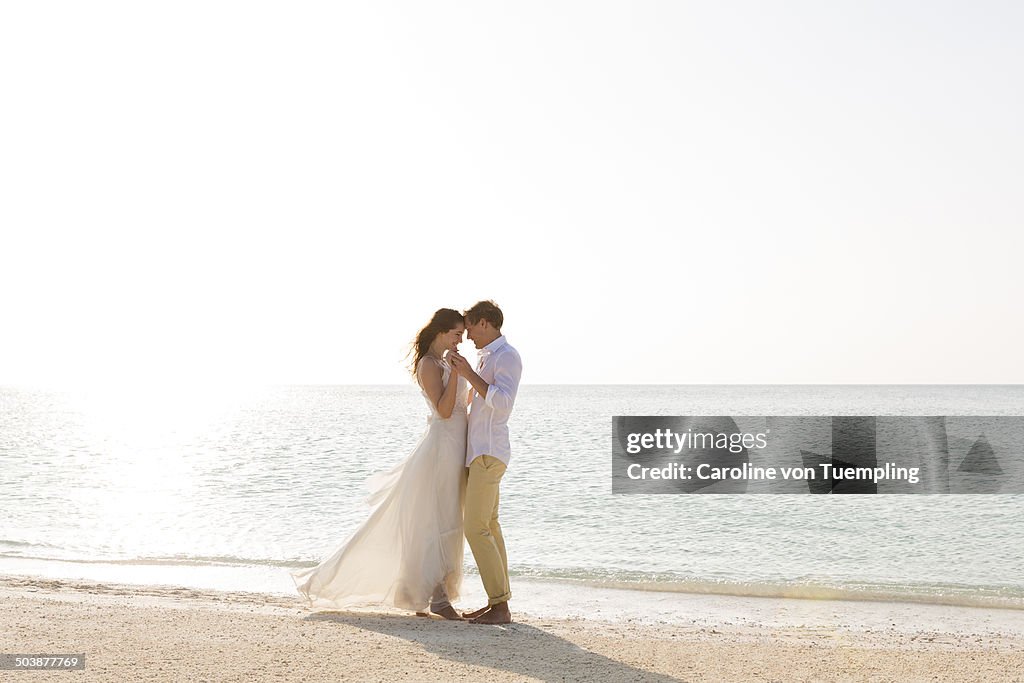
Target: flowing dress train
{"points": [[412, 542]]}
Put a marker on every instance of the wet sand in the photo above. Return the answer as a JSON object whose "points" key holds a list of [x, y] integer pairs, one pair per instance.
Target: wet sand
{"points": [[158, 633]]}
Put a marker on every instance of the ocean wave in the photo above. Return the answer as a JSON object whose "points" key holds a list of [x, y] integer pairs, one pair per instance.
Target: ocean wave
{"points": [[804, 588], [171, 560], [960, 595], [25, 544]]}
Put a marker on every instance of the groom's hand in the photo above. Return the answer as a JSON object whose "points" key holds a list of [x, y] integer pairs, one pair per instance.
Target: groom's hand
{"points": [[458, 363], [462, 366], [450, 357]]}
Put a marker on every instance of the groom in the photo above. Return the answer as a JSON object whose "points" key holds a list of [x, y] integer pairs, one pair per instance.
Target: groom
{"points": [[495, 383]]}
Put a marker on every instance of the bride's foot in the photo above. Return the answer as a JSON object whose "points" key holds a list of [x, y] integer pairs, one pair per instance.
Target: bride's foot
{"points": [[497, 614], [422, 614], [448, 612], [476, 613]]}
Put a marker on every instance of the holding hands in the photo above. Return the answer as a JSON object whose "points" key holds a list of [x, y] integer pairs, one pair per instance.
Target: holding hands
{"points": [[461, 367], [458, 363]]}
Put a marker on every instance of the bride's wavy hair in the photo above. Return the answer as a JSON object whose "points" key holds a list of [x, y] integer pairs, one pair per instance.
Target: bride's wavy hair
{"points": [[444, 320]]}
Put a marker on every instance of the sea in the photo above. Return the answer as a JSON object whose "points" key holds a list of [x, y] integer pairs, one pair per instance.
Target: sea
{"points": [[230, 488]]}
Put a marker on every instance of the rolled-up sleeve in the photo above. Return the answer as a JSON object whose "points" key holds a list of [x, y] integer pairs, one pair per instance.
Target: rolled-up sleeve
{"points": [[501, 393]]}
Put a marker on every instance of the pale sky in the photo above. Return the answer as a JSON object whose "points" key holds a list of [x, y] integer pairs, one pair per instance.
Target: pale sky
{"points": [[671, 192]]}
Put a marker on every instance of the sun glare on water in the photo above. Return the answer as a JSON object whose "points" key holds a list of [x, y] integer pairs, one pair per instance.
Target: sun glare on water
{"points": [[144, 454]]}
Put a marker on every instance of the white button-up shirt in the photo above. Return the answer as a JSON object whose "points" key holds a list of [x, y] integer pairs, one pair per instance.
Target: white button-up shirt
{"points": [[501, 368]]}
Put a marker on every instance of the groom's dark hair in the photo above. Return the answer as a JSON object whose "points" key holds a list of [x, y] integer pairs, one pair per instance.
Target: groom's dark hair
{"points": [[485, 310]]}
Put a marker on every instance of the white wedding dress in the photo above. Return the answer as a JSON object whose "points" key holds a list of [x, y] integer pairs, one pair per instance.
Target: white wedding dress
{"points": [[412, 543]]}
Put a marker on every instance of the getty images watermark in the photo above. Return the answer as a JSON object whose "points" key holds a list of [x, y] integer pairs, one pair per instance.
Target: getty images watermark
{"points": [[818, 454]]}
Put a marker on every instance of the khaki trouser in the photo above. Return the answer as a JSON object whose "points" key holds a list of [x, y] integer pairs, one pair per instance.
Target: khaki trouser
{"points": [[482, 529]]}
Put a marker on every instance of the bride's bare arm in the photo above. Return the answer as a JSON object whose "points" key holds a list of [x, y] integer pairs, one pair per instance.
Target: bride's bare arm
{"points": [[429, 376]]}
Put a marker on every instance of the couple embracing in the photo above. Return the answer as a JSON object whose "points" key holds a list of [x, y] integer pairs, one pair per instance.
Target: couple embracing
{"points": [[409, 551]]}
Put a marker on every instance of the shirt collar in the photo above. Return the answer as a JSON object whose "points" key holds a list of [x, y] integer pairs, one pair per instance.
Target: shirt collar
{"points": [[492, 347]]}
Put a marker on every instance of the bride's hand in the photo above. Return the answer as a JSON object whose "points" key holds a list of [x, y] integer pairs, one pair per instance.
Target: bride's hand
{"points": [[458, 363], [452, 363]]}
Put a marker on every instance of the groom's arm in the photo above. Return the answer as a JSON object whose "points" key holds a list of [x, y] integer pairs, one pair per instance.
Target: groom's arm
{"points": [[475, 380], [501, 395]]}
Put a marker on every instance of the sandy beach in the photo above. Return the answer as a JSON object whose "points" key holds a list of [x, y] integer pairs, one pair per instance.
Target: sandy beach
{"points": [[157, 633]]}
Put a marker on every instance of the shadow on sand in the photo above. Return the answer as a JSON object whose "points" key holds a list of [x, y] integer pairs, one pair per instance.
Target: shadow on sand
{"points": [[517, 648]]}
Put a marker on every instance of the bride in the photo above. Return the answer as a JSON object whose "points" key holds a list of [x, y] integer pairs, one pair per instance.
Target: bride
{"points": [[408, 553]]}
